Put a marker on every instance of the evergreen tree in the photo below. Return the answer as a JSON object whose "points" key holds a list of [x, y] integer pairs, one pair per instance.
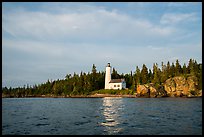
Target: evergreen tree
{"points": [[137, 76], [93, 82], [172, 70], [184, 69], [94, 69], [163, 73], [68, 76], [156, 74], [114, 74], [131, 80], [178, 69], [190, 68], [122, 75], [144, 74], [200, 76], [133, 83], [81, 83], [168, 70], [195, 68], [86, 83], [128, 80], [101, 80], [150, 76]]}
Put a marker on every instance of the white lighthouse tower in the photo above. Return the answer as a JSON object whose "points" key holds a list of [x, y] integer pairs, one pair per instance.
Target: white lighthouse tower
{"points": [[108, 76]]}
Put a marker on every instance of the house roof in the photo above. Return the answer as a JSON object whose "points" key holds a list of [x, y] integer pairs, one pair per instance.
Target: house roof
{"points": [[116, 80]]}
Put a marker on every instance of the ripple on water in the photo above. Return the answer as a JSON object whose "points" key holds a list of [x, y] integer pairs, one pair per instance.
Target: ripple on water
{"points": [[27, 133], [110, 123], [53, 129], [125, 123], [5, 126], [42, 124], [44, 118], [100, 116], [82, 123]]}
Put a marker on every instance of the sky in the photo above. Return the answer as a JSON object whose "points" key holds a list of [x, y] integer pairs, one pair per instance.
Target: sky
{"points": [[48, 40]]}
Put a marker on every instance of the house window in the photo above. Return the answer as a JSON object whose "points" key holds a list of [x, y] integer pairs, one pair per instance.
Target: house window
{"points": [[114, 85], [118, 85]]}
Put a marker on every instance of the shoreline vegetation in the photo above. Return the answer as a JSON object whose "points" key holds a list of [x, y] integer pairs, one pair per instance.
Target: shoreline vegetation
{"points": [[171, 80], [94, 96], [98, 94], [77, 96]]}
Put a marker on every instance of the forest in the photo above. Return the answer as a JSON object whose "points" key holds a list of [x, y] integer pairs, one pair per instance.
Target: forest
{"points": [[88, 83]]}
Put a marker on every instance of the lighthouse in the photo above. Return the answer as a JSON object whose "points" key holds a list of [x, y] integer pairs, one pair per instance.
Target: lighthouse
{"points": [[113, 83], [107, 76]]}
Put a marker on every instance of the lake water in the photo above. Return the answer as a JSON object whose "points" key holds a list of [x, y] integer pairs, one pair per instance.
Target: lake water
{"points": [[102, 116]]}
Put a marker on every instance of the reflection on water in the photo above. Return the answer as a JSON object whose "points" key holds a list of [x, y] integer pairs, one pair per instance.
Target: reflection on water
{"points": [[112, 111], [99, 116]]}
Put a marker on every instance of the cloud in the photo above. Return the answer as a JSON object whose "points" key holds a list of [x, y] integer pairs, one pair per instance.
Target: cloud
{"points": [[100, 24], [175, 18], [183, 4], [33, 47], [55, 40]]}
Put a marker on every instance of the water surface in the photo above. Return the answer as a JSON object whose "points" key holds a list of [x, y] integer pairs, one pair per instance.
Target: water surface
{"points": [[102, 116]]}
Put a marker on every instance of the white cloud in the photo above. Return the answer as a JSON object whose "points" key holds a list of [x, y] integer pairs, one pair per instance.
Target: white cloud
{"points": [[33, 47], [100, 24], [174, 18], [183, 4], [70, 39]]}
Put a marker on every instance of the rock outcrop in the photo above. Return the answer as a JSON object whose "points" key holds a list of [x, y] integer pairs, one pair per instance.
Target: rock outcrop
{"points": [[178, 86], [150, 90]]}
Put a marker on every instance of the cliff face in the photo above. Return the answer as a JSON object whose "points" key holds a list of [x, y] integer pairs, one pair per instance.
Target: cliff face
{"points": [[174, 87], [149, 90]]}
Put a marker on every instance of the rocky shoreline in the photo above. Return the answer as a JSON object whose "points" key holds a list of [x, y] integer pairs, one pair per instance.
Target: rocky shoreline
{"points": [[180, 86], [76, 96], [173, 87], [97, 96]]}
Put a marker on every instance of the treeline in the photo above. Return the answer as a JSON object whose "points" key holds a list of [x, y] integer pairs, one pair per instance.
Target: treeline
{"points": [[85, 84]]}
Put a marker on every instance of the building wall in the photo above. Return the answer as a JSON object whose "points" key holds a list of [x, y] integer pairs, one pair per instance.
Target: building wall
{"points": [[115, 86], [107, 77], [121, 85], [124, 85]]}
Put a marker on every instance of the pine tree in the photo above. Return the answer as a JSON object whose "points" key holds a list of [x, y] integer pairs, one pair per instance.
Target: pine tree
{"points": [[81, 83], [137, 76], [128, 80], [94, 69], [85, 83], [184, 69], [93, 82], [200, 76], [115, 74], [177, 68], [168, 70], [172, 70], [144, 74], [156, 74], [101, 80], [195, 68], [150, 76], [190, 68], [131, 80], [68, 76], [163, 73]]}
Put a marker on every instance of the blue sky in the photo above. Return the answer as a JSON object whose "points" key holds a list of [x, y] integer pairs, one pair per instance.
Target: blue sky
{"points": [[42, 41]]}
